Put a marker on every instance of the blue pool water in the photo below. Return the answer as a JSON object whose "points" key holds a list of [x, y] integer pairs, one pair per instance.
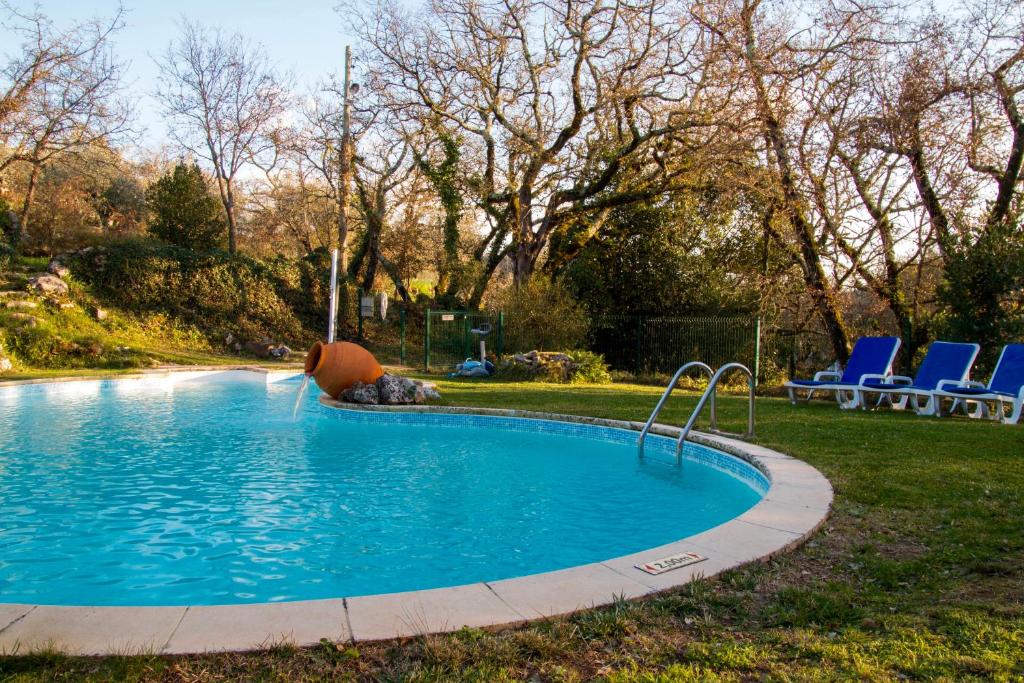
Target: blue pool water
{"points": [[136, 493]]}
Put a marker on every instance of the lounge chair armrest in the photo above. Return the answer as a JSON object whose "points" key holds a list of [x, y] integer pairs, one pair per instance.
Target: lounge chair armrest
{"points": [[827, 374], [900, 379], [871, 375], [959, 384]]}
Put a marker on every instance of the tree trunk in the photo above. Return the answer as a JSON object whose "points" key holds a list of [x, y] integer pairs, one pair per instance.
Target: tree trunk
{"points": [[522, 212], [392, 272], [373, 230], [815, 277], [21, 224], [485, 278], [932, 204], [344, 167], [229, 208]]}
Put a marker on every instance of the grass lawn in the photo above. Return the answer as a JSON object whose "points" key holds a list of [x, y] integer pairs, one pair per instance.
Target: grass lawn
{"points": [[919, 574]]}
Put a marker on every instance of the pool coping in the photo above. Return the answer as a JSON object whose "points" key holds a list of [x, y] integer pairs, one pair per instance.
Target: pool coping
{"points": [[797, 503]]}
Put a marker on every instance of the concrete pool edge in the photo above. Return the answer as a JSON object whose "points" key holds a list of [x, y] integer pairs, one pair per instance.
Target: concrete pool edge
{"points": [[797, 503]]}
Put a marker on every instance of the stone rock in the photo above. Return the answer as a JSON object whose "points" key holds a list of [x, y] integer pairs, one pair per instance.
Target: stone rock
{"points": [[11, 292], [66, 306], [260, 348], [5, 364], [267, 349], [395, 390], [57, 268], [24, 305], [557, 366], [99, 313], [45, 283], [25, 319], [359, 392], [429, 392]]}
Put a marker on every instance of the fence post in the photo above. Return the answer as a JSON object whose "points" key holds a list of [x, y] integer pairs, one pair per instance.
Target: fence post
{"points": [[401, 335], [426, 343], [757, 349], [467, 336], [639, 354]]}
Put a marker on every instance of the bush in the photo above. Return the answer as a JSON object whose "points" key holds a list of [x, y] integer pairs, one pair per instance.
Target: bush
{"points": [[50, 345], [217, 292], [184, 212], [541, 315], [590, 368], [983, 293], [586, 367], [6, 233]]}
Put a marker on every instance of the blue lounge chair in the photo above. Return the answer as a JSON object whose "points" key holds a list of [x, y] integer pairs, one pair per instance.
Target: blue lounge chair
{"points": [[1005, 389], [872, 356], [945, 362]]}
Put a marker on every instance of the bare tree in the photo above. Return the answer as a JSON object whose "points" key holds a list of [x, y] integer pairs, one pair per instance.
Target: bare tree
{"points": [[60, 96], [225, 104], [549, 100], [385, 188]]}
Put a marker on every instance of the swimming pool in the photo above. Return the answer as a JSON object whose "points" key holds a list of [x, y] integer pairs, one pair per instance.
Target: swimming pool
{"points": [[156, 492]]}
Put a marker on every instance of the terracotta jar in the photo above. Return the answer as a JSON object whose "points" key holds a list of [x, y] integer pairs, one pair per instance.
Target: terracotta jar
{"points": [[337, 366]]}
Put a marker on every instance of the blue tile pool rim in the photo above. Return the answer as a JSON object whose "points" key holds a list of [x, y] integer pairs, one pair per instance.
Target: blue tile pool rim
{"points": [[797, 503]]}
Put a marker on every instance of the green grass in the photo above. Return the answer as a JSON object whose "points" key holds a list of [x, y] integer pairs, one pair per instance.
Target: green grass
{"points": [[72, 339], [919, 574]]}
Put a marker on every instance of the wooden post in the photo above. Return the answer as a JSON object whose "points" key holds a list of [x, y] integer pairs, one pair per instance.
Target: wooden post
{"points": [[345, 164]]}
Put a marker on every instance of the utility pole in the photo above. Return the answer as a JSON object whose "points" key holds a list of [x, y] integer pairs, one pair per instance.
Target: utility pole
{"points": [[345, 166]]}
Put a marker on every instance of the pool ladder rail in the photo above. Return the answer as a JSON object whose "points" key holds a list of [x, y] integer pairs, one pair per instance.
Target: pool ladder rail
{"points": [[709, 394]]}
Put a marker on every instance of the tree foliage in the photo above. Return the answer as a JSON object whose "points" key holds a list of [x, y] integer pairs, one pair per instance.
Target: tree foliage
{"points": [[983, 292], [226, 101], [671, 258], [184, 213]]}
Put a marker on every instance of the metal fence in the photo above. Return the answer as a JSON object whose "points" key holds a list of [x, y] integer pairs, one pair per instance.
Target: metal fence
{"points": [[448, 336], [659, 345], [644, 345]]}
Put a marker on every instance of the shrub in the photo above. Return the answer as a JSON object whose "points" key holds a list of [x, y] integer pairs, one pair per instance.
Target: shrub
{"points": [[541, 315], [184, 212], [7, 220], [586, 368], [983, 293], [590, 368], [52, 345], [217, 292]]}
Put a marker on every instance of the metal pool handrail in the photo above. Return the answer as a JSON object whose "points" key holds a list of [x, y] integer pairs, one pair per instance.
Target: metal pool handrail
{"points": [[710, 393], [664, 397]]}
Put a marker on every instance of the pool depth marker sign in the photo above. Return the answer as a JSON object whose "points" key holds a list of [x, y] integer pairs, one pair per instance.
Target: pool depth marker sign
{"points": [[667, 564]]}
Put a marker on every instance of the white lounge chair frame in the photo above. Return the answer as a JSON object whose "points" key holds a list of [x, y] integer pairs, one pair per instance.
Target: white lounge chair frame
{"points": [[912, 396], [1008, 409]]}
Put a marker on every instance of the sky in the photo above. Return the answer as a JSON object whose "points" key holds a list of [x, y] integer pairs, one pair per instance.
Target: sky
{"points": [[306, 37]]}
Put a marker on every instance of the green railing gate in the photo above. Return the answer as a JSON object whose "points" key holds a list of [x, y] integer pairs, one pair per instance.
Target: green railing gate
{"points": [[448, 336]]}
